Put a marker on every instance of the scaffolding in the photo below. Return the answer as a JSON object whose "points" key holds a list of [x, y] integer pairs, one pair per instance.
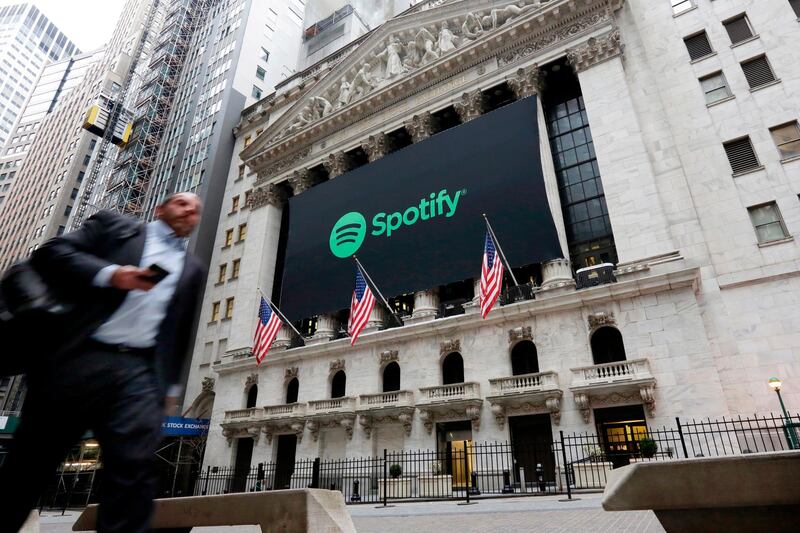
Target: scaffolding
{"points": [[127, 188]]}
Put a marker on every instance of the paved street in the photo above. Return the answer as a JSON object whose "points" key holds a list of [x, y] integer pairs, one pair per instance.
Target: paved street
{"points": [[540, 514]]}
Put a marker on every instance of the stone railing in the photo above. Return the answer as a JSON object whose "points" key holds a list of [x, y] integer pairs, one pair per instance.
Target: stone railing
{"points": [[611, 372], [286, 410], [240, 415], [334, 405], [402, 398], [456, 391], [540, 381]]}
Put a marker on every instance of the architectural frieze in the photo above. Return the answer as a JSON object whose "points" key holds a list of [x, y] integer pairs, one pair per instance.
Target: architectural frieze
{"points": [[521, 333], [596, 50], [268, 194]]}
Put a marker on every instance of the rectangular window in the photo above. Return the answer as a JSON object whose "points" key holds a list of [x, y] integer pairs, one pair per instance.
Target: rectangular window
{"points": [[73, 194], [235, 268], [767, 222], [228, 237], [86, 159], [255, 92], [235, 204], [260, 73], [796, 6], [741, 155], [758, 72], [738, 28], [214, 311], [223, 271], [681, 6], [264, 55], [240, 175], [698, 46], [787, 139], [715, 87], [242, 233], [229, 307]]}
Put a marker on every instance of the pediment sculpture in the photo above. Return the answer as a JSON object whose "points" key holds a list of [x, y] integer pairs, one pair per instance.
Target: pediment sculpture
{"points": [[402, 53]]}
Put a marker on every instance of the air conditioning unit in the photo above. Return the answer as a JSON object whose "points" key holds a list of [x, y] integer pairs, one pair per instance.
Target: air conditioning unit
{"points": [[594, 275]]}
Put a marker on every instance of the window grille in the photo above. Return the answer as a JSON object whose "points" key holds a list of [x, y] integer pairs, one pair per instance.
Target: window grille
{"points": [[741, 155], [698, 46], [758, 72], [738, 29]]}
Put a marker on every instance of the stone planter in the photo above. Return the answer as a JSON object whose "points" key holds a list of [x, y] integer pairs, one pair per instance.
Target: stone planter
{"points": [[435, 486], [591, 475], [395, 487]]}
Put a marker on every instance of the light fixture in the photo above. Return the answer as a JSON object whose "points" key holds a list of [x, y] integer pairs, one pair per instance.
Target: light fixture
{"points": [[775, 384]]}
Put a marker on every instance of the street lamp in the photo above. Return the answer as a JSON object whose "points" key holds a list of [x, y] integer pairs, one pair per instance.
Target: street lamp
{"points": [[791, 436]]}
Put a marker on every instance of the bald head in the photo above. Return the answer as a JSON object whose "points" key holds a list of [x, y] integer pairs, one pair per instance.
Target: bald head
{"points": [[181, 212]]}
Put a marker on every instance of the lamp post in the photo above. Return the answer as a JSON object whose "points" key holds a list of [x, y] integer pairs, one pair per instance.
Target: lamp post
{"points": [[791, 436]]}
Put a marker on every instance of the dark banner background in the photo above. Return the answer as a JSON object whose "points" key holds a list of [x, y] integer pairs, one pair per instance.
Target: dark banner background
{"points": [[494, 157]]}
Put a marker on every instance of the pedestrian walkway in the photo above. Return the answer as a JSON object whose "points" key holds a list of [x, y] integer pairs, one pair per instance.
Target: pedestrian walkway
{"points": [[509, 515]]}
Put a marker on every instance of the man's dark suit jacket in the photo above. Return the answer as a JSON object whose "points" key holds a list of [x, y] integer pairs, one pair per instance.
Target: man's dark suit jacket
{"points": [[69, 264]]}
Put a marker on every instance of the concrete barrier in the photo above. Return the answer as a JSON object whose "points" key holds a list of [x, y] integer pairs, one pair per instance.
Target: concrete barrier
{"points": [[743, 493], [285, 511]]}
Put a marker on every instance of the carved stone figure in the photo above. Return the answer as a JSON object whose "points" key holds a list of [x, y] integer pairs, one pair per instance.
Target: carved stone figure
{"points": [[362, 82], [472, 28], [303, 119], [498, 17], [394, 65], [447, 40], [320, 107], [411, 60], [425, 42], [344, 94]]}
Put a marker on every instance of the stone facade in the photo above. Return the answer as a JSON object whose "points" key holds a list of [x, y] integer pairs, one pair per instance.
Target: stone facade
{"points": [[706, 314]]}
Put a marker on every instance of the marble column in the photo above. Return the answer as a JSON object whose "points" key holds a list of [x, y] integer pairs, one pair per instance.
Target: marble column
{"points": [[426, 306], [376, 318], [376, 146], [556, 274], [420, 127], [474, 305], [631, 192], [470, 106], [336, 164], [283, 339], [325, 331]]}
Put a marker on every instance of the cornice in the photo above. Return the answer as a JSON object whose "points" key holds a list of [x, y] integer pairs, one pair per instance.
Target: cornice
{"points": [[550, 23], [446, 329]]}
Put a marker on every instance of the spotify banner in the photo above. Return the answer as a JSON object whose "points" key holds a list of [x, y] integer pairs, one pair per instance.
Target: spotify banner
{"points": [[413, 218]]}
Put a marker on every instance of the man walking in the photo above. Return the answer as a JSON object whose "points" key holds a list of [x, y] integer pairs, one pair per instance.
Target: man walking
{"points": [[109, 365]]}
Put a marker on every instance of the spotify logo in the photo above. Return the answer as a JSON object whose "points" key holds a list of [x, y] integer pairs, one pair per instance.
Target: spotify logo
{"points": [[348, 234]]}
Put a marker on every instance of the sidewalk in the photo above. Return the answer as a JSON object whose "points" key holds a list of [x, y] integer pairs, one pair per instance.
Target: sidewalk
{"points": [[509, 515]]}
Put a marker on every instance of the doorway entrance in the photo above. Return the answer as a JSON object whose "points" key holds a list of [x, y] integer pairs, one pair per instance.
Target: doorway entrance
{"points": [[619, 430], [532, 444], [454, 445], [241, 465], [284, 461]]}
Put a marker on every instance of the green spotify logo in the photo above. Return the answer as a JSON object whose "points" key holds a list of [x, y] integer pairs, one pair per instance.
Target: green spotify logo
{"points": [[348, 234], [349, 231]]}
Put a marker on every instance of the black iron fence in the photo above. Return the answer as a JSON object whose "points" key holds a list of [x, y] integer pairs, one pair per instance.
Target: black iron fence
{"points": [[466, 469]]}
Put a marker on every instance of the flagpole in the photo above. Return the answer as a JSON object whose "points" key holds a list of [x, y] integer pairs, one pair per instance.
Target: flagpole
{"points": [[500, 250], [282, 317], [372, 283]]}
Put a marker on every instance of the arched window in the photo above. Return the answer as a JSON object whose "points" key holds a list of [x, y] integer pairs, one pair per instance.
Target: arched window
{"points": [[292, 389], [452, 369], [391, 377], [252, 396], [524, 359], [338, 384], [607, 346]]}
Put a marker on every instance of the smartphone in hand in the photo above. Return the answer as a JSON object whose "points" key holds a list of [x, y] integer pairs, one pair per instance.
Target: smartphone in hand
{"points": [[159, 273]]}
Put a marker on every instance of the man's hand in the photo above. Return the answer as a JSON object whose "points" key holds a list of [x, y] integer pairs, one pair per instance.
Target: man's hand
{"points": [[171, 406], [130, 278]]}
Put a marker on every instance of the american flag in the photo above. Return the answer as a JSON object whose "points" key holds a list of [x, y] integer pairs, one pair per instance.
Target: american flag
{"points": [[491, 276], [268, 325], [360, 307]]}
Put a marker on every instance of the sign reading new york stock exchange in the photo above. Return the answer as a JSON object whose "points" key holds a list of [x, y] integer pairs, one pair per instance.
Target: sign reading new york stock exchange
{"points": [[414, 217]]}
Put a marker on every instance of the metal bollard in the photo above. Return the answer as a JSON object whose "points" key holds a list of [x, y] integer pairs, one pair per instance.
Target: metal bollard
{"points": [[356, 497], [507, 488], [540, 477]]}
